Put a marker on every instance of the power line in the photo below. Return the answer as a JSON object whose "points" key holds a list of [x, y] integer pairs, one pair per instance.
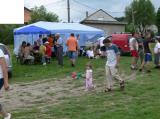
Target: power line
{"points": [[84, 5]]}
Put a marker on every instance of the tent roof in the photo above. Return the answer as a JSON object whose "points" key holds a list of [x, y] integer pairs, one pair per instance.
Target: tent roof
{"points": [[32, 29], [55, 27]]}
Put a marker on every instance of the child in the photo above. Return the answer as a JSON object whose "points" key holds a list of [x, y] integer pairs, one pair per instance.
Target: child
{"points": [[48, 52], [89, 78], [157, 53], [113, 56], [90, 53]]}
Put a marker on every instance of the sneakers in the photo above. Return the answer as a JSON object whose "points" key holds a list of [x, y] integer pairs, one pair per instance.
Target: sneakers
{"points": [[8, 117], [122, 85], [108, 90], [44, 64]]}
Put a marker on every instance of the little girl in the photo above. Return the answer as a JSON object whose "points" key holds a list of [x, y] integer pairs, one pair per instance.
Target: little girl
{"points": [[89, 78]]}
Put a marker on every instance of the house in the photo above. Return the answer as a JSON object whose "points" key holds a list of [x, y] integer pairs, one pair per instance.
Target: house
{"points": [[102, 20], [27, 15]]}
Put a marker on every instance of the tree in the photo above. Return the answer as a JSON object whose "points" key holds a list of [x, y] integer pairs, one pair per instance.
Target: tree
{"points": [[120, 19], [140, 13], [41, 14], [158, 20], [6, 31]]}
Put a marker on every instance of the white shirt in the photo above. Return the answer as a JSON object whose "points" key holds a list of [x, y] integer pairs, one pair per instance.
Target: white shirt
{"points": [[1, 55], [157, 48], [111, 53], [101, 41], [90, 53], [132, 42]]}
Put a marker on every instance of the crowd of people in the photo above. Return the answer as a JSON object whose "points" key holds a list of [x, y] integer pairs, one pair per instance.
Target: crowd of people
{"points": [[140, 49], [52, 46], [45, 47]]}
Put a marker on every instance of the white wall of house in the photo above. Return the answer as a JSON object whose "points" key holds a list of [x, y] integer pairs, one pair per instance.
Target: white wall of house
{"points": [[109, 29]]}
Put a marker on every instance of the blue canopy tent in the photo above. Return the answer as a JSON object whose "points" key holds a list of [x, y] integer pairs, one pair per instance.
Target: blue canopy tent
{"points": [[32, 31]]}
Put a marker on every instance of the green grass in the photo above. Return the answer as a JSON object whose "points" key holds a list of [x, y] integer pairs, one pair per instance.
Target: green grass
{"points": [[140, 100]]}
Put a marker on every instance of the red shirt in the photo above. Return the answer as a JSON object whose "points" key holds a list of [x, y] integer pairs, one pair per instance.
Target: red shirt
{"points": [[48, 51]]}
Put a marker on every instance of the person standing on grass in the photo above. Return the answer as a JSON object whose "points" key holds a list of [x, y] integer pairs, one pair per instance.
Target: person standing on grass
{"points": [[140, 40], [89, 78], [157, 53], [59, 45], [72, 45], [42, 51], [3, 82], [48, 53], [134, 51], [112, 64], [102, 47], [39, 40], [147, 51]]}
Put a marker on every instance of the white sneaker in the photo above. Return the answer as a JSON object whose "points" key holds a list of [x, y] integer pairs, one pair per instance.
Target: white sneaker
{"points": [[8, 117], [44, 64]]}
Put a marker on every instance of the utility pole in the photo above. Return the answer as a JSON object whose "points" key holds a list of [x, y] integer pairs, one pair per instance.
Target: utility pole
{"points": [[133, 19], [68, 10]]}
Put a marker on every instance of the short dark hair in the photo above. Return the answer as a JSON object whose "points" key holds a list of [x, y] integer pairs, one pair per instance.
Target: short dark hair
{"points": [[133, 33], [72, 34], [106, 40], [28, 44]]}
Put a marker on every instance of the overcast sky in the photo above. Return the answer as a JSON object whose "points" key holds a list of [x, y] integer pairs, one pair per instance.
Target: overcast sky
{"points": [[79, 7]]}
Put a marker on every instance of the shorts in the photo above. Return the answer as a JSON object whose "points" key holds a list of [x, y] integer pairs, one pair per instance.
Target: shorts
{"points": [[1, 83], [72, 54], [103, 48], [148, 57], [134, 53]]}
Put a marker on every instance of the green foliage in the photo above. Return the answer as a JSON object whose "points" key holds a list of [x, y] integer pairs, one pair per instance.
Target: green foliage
{"points": [[6, 33], [141, 13], [41, 14], [158, 20], [129, 28]]}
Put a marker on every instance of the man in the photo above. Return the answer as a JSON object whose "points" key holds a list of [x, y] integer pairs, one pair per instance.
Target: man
{"points": [[27, 54], [112, 64], [140, 41], [59, 45], [72, 49], [39, 40], [3, 82], [134, 51], [102, 47], [147, 51]]}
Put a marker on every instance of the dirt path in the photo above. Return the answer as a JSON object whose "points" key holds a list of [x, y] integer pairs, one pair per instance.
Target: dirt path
{"points": [[39, 92], [46, 92]]}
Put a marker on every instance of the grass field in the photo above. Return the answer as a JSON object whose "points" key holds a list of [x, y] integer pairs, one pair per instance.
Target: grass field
{"points": [[66, 98]]}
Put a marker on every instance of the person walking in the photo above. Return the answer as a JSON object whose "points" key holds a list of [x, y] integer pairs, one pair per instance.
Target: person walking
{"points": [[134, 51], [59, 45], [72, 49], [140, 41], [3, 82], [147, 51], [112, 65]]}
